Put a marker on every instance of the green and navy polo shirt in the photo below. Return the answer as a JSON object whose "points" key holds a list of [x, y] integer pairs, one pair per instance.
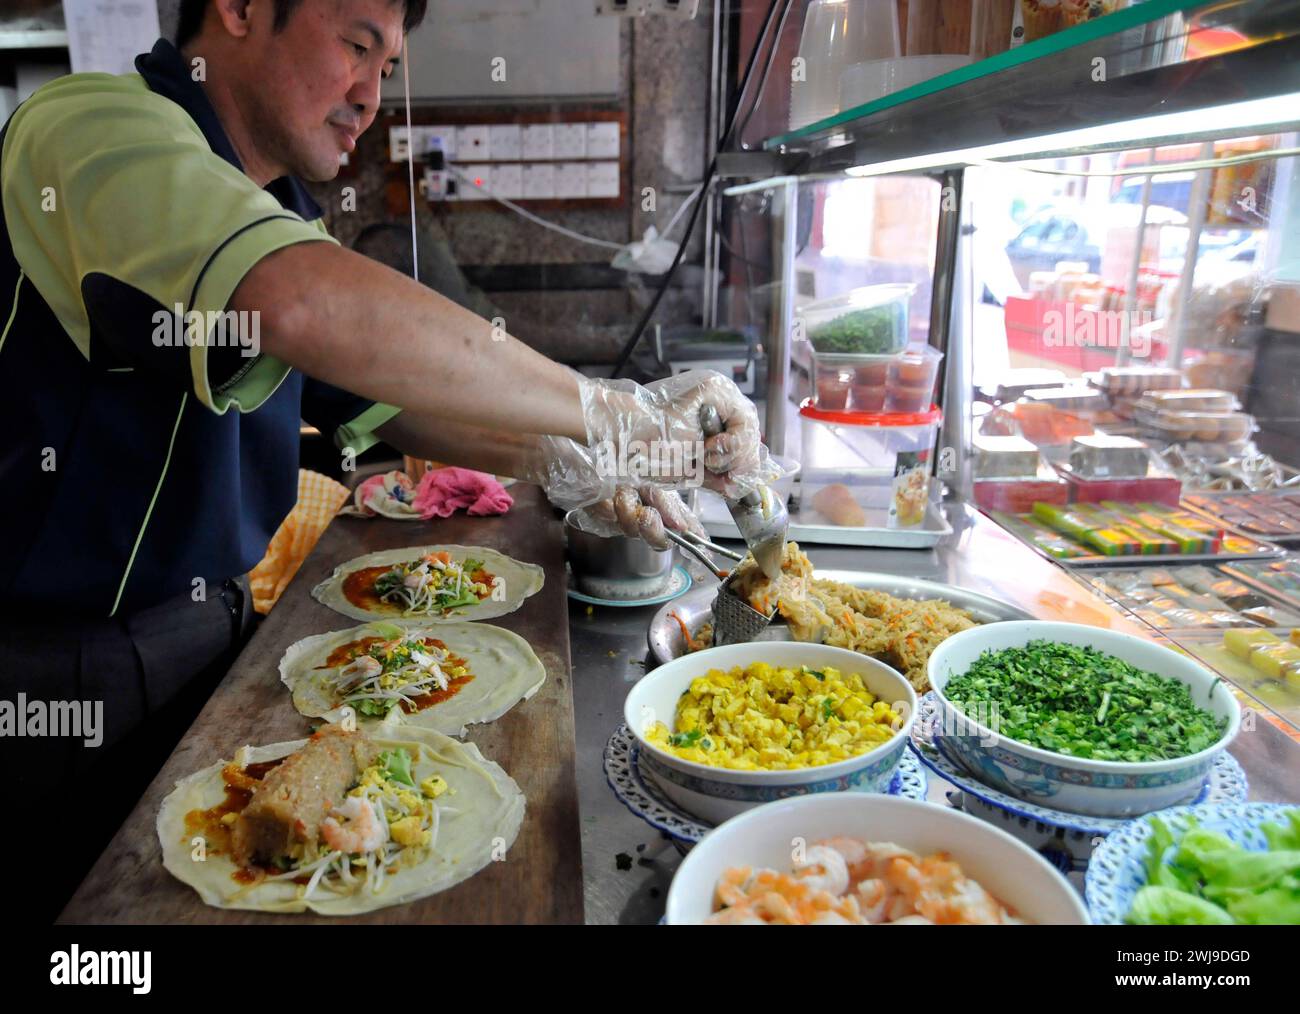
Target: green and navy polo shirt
{"points": [[132, 461]]}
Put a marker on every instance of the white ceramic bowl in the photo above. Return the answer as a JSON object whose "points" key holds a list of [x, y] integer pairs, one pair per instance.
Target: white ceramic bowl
{"points": [[1012, 872], [715, 794], [1077, 785]]}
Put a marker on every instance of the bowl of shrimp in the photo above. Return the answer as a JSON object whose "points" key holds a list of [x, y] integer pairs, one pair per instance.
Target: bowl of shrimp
{"points": [[848, 858]]}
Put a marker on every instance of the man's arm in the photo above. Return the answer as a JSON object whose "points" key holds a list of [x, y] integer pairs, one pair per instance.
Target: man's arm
{"points": [[456, 443], [359, 325]]}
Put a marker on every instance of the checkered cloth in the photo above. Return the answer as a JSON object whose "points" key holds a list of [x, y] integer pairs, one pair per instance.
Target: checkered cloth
{"points": [[319, 498]]}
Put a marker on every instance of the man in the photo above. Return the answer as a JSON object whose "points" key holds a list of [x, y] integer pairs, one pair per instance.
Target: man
{"points": [[144, 474]]}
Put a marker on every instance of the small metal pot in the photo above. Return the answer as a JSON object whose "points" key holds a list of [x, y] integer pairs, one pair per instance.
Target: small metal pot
{"points": [[617, 567]]}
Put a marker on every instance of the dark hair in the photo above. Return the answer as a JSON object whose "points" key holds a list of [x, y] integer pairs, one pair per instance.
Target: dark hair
{"points": [[192, 11]]}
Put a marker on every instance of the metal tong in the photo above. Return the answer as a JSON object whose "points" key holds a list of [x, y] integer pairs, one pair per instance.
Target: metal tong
{"points": [[735, 621]]}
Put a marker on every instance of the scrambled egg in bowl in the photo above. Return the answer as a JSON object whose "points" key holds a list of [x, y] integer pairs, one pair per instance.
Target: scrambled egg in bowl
{"points": [[767, 718]]}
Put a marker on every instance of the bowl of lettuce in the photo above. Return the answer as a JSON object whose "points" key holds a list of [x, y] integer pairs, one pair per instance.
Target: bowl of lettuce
{"points": [[1218, 864]]}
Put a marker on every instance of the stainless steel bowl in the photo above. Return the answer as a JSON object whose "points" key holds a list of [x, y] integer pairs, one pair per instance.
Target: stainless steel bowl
{"points": [[616, 567]]}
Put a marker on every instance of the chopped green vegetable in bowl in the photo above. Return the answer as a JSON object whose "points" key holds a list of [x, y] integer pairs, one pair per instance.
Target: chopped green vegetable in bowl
{"points": [[1075, 700], [1081, 718]]}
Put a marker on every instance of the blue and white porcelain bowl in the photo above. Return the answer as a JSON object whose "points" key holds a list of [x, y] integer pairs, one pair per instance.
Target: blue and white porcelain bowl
{"points": [[715, 794], [1074, 784], [1118, 869]]}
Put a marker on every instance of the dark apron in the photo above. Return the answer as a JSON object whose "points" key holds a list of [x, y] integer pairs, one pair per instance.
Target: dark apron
{"points": [[152, 671]]}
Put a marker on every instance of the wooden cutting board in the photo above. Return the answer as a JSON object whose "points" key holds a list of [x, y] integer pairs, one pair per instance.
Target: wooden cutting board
{"points": [[540, 880]]}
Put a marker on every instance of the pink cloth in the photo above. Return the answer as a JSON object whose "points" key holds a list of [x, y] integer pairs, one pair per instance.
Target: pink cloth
{"points": [[443, 491]]}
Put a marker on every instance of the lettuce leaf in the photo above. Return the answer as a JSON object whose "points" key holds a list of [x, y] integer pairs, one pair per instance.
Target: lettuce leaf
{"points": [[397, 766], [1278, 906], [1284, 838], [1167, 906], [1254, 871]]}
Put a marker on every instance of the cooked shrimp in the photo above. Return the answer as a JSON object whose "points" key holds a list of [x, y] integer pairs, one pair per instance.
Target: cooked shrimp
{"points": [[733, 886], [951, 897], [362, 832], [863, 858], [844, 880], [875, 898], [775, 907], [833, 877], [357, 671], [905, 877]]}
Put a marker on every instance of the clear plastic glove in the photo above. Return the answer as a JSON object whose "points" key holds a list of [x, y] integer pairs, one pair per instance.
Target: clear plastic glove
{"points": [[572, 478], [640, 512], [652, 434]]}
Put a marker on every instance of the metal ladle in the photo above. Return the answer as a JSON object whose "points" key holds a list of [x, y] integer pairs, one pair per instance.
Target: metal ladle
{"points": [[760, 514]]}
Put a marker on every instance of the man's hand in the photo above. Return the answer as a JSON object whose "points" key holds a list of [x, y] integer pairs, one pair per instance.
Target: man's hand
{"points": [[659, 425], [640, 512]]}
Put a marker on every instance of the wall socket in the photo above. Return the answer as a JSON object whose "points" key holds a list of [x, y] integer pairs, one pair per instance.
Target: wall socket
{"points": [[685, 9]]}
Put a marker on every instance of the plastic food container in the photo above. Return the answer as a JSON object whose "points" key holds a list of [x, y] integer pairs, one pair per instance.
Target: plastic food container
{"points": [[1079, 400], [1194, 400], [1155, 487], [858, 387], [849, 460], [1004, 457], [910, 379], [870, 380], [832, 386], [1202, 427], [1018, 496], [861, 325], [1101, 456], [1133, 380]]}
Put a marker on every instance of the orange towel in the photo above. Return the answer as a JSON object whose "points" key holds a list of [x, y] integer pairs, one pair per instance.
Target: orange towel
{"points": [[319, 498]]}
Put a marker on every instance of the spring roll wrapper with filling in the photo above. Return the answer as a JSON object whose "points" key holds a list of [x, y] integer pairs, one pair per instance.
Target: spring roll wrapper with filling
{"points": [[490, 805], [505, 668], [519, 581]]}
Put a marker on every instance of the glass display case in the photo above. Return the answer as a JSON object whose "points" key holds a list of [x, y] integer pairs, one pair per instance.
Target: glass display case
{"points": [[1059, 282]]}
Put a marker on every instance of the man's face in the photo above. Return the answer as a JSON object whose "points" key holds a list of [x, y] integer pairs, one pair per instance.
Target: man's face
{"points": [[315, 83]]}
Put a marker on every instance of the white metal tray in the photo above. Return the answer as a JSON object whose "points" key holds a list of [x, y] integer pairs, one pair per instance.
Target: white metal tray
{"points": [[713, 513]]}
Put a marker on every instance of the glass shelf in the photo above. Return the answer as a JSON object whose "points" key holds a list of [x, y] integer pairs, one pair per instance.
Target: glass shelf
{"points": [[1162, 56]]}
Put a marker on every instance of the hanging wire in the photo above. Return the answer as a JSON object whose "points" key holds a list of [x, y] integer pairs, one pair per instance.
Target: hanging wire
{"points": [[464, 177], [410, 159]]}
